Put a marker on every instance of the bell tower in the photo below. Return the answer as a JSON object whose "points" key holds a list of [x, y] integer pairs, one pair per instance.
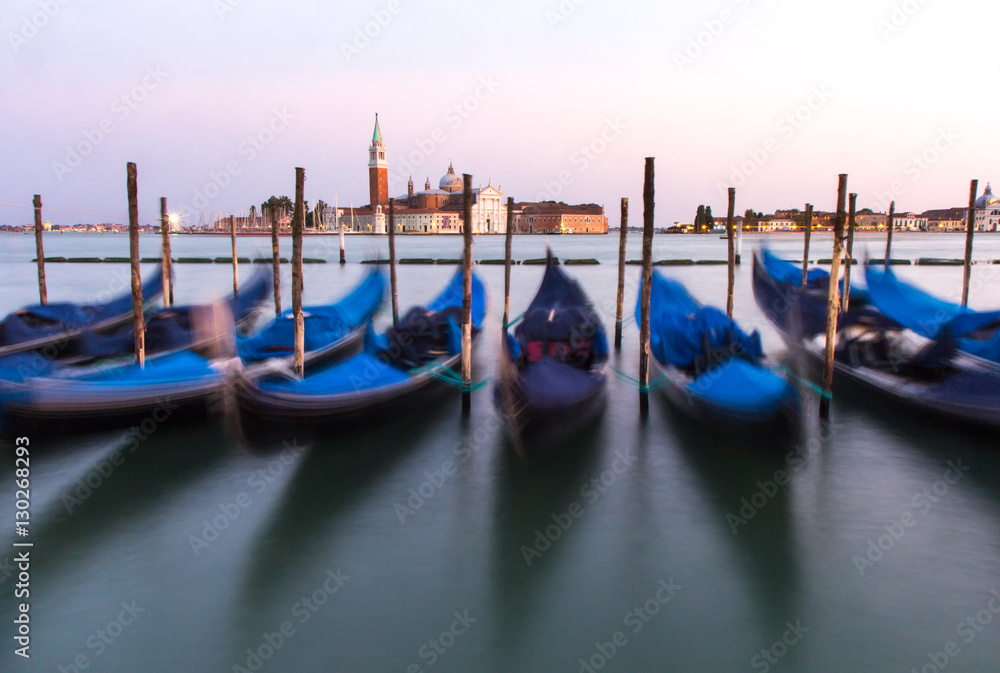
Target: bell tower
{"points": [[378, 170]]}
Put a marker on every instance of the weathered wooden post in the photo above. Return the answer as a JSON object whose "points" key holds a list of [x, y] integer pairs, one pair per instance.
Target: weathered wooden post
{"points": [[508, 238], [851, 218], [139, 323], [392, 259], [340, 225], [647, 282], [236, 268], [739, 242], [969, 231], [43, 295], [622, 242], [805, 254], [165, 263], [888, 235], [298, 221], [275, 260], [731, 235], [833, 303], [466, 294]]}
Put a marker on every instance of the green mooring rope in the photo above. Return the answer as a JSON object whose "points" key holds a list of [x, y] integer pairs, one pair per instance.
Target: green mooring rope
{"points": [[806, 383], [655, 384], [447, 376]]}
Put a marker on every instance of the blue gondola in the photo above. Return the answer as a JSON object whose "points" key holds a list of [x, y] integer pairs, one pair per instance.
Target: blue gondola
{"points": [[56, 327], [174, 329], [712, 370], [879, 354], [402, 369], [977, 333], [552, 375], [332, 332], [35, 389]]}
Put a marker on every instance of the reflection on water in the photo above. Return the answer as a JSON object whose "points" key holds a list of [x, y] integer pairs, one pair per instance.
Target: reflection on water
{"points": [[427, 516]]}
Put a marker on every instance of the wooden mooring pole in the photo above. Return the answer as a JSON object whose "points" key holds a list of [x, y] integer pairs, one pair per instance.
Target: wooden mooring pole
{"points": [[970, 229], [739, 242], [43, 295], [648, 195], [392, 259], [340, 226], [622, 242], [236, 268], [833, 303], [275, 260], [508, 239], [888, 235], [466, 294], [298, 222], [805, 254], [166, 262], [139, 323], [731, 235], [851, 221]]}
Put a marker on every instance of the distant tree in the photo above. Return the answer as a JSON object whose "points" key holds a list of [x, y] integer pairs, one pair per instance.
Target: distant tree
{"points": [[709, 220], [321, 207], [283, 203], [750, 220], [253, 213], [699, 219], [866, 211]]}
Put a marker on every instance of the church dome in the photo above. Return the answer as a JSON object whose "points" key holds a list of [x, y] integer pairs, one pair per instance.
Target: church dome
{"points": [[987, 199], [451, 182]]}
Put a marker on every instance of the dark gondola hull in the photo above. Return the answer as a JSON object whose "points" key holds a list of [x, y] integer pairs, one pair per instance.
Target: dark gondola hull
{"points": [[77, 321], [554, 387], [537, 430], [968, 391]]}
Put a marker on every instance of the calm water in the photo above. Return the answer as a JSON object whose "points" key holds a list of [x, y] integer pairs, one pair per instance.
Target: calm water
{"points": [[403, 548]]}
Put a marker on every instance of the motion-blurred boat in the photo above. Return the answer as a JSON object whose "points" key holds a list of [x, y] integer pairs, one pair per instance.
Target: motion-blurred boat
{"points": [[552, 375], [402, 369], [876, 352], [712, 370], [332, 331], [54, 328]]}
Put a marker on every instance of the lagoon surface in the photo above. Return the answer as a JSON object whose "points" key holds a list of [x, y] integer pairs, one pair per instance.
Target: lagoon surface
{"points": [[869, 544]]}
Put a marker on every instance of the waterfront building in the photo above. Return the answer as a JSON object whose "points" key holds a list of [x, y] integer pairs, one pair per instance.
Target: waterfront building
{"points": [[946, 219], [559, 218], [987, 211]]}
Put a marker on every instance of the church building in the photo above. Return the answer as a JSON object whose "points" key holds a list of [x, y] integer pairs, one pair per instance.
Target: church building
{"points": [[430, 211]]}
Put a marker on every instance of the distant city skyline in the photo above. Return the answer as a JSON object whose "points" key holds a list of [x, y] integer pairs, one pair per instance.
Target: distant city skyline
{"points": [[217, 102]]}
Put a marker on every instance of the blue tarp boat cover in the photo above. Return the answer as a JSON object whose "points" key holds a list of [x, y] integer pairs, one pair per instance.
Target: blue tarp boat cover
{"points": [[174, 368], [360, 372], [43, 320], [932, 317], [682, 331], [379, 366], [786, 273], [172, 328], [561, 312], [324, 325], [741, 385], [18, 367], [790, 274]]}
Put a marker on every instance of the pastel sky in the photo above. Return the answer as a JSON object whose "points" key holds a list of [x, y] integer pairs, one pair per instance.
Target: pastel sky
{"points": [[218, 100]]}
